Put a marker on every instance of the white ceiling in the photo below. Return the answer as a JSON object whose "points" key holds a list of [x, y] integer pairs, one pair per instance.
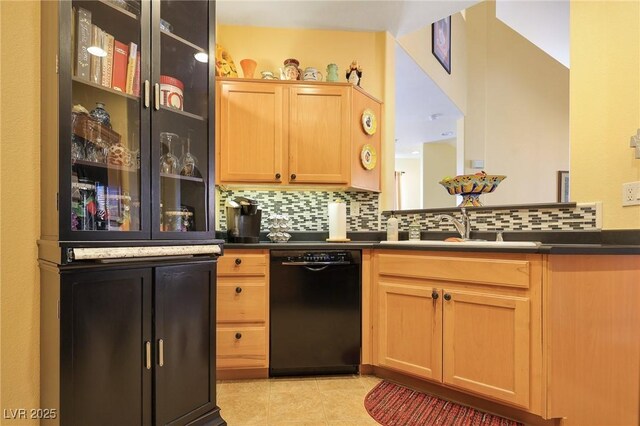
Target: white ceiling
{"points": [[396, 16]]}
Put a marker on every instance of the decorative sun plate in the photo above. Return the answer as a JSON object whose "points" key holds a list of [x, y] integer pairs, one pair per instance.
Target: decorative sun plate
{"points": [[369, 122], [368, 157]]}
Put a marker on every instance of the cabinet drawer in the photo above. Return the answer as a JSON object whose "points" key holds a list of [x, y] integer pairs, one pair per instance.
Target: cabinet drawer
{"points": [[242, 299], [510, 272], [249, 350], [243, 262]]}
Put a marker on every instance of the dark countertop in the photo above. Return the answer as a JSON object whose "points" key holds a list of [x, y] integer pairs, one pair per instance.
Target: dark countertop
{"points": [[618, 242]]}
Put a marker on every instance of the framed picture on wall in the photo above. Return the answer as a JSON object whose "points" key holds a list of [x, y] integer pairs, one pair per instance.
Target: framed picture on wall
{"points": [[563, 186], [441, 42]]}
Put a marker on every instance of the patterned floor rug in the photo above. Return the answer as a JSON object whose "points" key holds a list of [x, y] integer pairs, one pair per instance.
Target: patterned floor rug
{"points": [[394, 405]]}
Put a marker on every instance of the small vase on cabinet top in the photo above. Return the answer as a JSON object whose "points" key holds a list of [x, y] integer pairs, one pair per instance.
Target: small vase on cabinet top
{"points": [[332, 72], [248, 67]]}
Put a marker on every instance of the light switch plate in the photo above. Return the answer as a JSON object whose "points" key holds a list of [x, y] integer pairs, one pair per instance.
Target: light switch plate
{"points": [[631, 194]]}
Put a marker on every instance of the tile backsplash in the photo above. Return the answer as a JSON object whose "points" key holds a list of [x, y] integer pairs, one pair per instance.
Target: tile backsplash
{"points": [[582, 217], [308, 210]]}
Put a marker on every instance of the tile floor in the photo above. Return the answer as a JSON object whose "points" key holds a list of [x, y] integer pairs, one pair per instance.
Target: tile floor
{"points": [[313, 401]]}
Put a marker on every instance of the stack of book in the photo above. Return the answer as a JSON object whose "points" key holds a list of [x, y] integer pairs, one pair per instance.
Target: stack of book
{"points": [[103, 60]]}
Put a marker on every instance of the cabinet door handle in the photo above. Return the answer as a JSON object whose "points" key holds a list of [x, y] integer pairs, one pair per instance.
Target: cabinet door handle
{"points": [[147, 350], [147, 93], [156, 96], [293, 176], [447, 297], [435, 295], [238, 261], [160, 352], [277, 175], [238, 290], [238, 336]]}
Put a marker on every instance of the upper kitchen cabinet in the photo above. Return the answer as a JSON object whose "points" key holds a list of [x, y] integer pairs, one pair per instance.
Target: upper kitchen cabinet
{"points": [[297, 133], [128, 137]]}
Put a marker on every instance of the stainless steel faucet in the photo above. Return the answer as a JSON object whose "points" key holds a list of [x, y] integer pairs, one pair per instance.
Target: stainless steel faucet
{"points": [[463, 227]]}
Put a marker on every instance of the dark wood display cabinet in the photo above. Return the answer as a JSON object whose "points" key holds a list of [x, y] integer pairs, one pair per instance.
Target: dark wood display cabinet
{"points": [[127, 250]]}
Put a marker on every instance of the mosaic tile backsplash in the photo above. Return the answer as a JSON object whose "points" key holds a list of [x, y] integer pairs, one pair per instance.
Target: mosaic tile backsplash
{"points": [[308, 210], [583, 217]]}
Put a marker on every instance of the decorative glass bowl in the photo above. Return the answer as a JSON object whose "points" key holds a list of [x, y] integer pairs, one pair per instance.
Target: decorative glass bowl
{"points": [[471, 187]]}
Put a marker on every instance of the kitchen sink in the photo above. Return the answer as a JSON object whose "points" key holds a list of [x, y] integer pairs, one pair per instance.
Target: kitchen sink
{"points": [[469, 243]]}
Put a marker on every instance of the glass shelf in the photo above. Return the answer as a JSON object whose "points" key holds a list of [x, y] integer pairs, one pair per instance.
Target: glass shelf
{"points": [[184, 113], [182, 40], [105, 88], [180, 177], [104, 166], [119, 9]]}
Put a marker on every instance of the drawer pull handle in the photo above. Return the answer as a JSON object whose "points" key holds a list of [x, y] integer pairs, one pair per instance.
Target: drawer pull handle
{"points": [[238, 290], [435, 295], [238, 261], [238, 336], [447, 296]]}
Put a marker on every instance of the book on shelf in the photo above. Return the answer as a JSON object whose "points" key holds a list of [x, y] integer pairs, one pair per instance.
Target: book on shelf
{"points": [[131, 66], [83, 33], [136, 79], [107, 61], [120, 58], [95, 75]]}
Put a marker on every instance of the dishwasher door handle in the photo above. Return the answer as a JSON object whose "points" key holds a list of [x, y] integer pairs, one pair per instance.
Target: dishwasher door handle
{"points": [[322, 268]]}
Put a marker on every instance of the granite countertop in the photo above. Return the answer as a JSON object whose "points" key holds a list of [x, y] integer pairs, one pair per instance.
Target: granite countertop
{"points": [[563, 242]]}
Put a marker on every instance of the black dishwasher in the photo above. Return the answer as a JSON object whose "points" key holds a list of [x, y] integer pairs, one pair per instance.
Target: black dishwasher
{"points": [[315, 312]]}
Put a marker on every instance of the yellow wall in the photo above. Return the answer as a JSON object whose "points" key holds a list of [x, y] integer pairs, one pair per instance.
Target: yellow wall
{"points": [[269, 47], [605, 105], [20, 207], [515, 99], [418, 46], [439, 160], [517, 111]]}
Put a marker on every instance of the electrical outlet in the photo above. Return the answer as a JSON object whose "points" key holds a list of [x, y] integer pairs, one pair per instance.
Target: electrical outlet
{"points": [[355, 208], [631, 194]]}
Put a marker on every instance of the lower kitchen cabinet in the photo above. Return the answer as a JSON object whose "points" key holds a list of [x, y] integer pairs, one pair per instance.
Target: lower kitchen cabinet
{"points": [[402, 344], [243, 313], [129, 345], [486, 344], [473, 330]]}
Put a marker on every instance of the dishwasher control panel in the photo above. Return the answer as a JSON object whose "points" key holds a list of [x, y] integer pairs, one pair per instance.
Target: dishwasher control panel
{"points": [[334, 257]]}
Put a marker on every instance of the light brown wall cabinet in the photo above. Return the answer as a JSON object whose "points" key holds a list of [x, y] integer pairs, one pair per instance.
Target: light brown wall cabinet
{"points": [[293, 133], [465, 321], [243, 303]]}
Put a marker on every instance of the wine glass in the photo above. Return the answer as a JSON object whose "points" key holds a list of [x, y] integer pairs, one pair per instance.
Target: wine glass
{"points": [[169, 163], [188, 160]]}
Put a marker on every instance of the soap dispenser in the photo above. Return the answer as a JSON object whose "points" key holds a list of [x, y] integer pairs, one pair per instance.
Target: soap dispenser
{"points": [[392, 228], [414, 229]]}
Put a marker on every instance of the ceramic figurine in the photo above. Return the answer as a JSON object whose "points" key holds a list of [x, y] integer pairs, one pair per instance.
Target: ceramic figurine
{"points": [[354, 73], [332, 72], [290, 70]]}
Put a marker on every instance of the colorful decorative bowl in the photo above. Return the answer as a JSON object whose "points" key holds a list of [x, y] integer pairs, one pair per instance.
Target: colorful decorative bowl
{"points": [[471, 186]]}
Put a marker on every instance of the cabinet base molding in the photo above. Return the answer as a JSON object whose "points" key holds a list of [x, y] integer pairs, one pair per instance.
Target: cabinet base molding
{"points": [[463, 398], [242, 373], [212, 418]]}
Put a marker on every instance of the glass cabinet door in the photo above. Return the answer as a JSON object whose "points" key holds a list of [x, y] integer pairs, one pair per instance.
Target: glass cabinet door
{"points": [[107, 119], [181, 138]]}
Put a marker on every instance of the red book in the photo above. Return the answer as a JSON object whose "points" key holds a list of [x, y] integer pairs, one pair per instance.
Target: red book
{"points": [[120, 59], [136, 79]]}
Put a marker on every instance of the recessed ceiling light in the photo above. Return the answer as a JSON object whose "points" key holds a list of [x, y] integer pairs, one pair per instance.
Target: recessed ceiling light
{"points": [[415, 152], [435, 116], [202, 57], [446, 134]]}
